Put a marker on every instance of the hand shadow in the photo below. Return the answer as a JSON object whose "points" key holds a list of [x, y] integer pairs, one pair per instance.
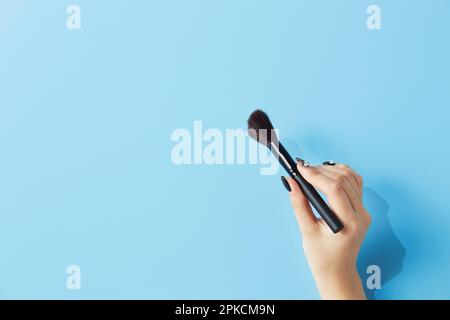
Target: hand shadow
{"points": [[381, 246]]}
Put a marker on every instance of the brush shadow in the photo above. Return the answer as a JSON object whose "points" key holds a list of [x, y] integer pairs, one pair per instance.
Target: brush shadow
{"points": [[381, 247]]}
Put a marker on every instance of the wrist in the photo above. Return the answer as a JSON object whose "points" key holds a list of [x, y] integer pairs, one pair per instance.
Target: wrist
{"points": [[340, 284]]}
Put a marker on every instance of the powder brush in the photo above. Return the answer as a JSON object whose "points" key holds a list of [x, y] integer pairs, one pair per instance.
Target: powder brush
{"points": [[260, 128]]}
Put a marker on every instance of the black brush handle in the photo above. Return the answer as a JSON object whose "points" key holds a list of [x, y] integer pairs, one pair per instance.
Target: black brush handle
{"points": [[308, 190], [319, 204]]}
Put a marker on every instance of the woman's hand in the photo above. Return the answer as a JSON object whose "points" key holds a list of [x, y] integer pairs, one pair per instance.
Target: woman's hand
{"points": [[332, 257]]}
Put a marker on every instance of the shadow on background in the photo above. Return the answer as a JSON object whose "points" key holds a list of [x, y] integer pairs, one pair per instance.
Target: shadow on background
{"points": [[381, 246]]}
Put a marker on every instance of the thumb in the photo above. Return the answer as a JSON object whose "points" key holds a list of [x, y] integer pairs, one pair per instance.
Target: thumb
{"points": [[305, 216]]}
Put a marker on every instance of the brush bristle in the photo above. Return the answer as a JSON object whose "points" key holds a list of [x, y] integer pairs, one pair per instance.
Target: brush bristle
{"points": [[260, 128]]}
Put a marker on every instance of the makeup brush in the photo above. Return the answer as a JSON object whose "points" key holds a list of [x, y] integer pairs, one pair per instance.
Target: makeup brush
{"points": [[261, 129]]}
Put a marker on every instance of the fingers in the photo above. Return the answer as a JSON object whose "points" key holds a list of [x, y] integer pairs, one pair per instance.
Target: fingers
{"points": [[357, 183], [305, 217], [342, 187], [345, 174], [348, 183], [333, 190], [357, 177]]}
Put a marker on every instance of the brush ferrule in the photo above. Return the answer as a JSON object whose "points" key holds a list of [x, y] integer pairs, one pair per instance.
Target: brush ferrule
{"points": [[284, 158]]}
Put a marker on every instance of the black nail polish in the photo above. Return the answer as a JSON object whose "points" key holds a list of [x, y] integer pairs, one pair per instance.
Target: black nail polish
{"points": [[286, 184], [299, 160], [329, 163]]}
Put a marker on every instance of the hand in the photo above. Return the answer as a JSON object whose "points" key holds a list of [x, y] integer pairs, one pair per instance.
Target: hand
{"points": [[332, 257]]}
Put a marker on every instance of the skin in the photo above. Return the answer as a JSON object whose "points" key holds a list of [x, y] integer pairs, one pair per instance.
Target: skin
{"points": [[332, 257]]}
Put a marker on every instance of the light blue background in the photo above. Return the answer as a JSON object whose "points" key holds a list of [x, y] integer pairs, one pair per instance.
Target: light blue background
{"points": [[86, 116]]}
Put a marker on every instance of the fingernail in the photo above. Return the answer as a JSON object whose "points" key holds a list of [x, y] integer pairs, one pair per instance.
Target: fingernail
{"points": [[329, 163], [299, 160], [306, 164], [286, 184]]}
